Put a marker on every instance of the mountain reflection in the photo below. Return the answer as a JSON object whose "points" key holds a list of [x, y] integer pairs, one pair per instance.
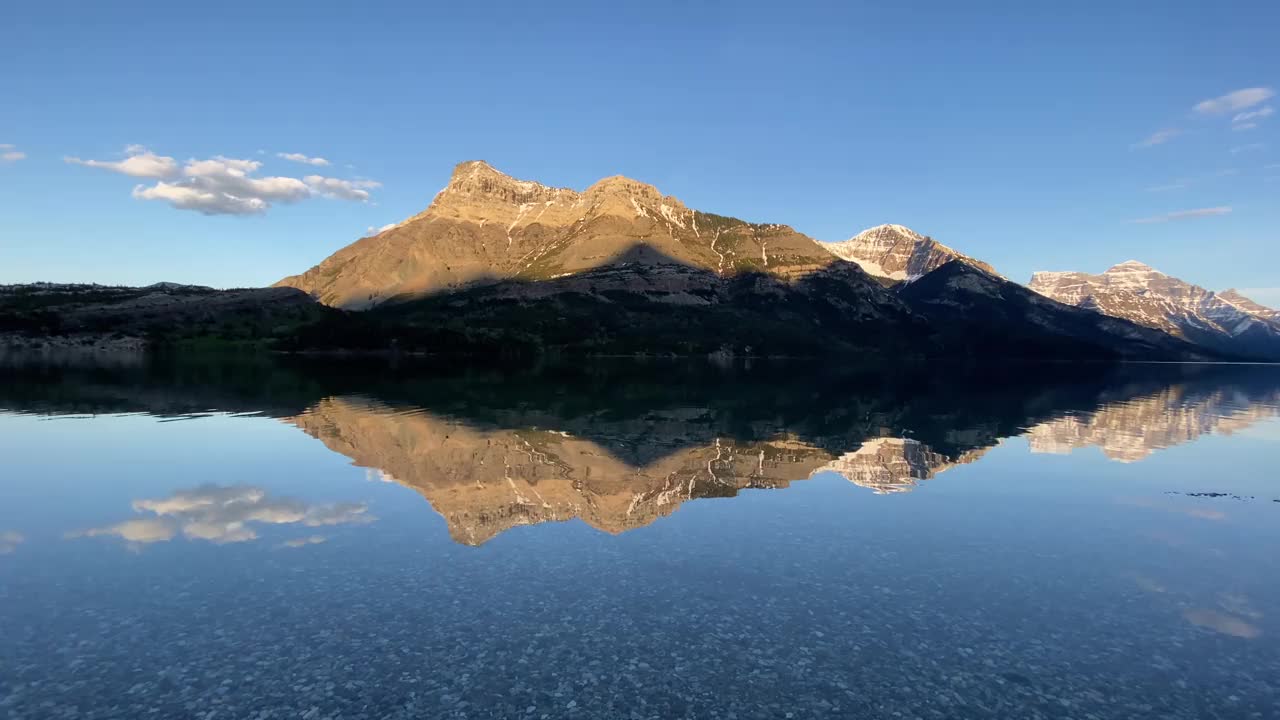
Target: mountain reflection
{"points": [[1130, 430], [223, 514], [619, 447], [486, 481]]}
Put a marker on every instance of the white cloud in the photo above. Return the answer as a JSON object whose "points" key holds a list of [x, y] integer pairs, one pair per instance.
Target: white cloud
{"points": [[300, 158], [1235, 101], [223, 185], [305, 541], [1165, 188], [357, 190], [231, 177], [10, 153], [225, 514], [186, 197], [1249, 120], [139, 162], [1159, 137], [1185, 215]]}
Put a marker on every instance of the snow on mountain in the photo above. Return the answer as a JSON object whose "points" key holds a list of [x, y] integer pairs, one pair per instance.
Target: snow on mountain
{"points": [[1138, 292], [897, 253]]}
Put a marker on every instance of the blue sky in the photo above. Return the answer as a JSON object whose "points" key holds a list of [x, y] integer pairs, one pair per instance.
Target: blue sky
{"points": [[1017, 132]]}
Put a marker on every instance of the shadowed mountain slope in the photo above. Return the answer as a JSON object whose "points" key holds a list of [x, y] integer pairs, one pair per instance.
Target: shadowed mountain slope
{"points": [[991, 315]]}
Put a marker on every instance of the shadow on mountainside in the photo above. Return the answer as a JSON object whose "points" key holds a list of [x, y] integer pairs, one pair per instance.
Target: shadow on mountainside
{"points": [[643, 302]]}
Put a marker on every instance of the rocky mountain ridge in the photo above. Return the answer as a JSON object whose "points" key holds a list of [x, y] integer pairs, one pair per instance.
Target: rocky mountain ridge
{"points": [[990, 315], [621, 268], [485, 227], [1139, 293]]}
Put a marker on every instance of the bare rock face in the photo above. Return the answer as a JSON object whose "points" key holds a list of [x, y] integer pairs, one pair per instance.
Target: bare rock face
{"points": [[897, 253], [486, 226], [1139, 293]]}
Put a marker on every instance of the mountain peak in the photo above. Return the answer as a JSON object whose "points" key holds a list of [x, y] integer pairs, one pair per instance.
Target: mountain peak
{"points": [[1131, 266], [890, 228], [621, 186], [898, 253], [474, 166], [479, 178]]}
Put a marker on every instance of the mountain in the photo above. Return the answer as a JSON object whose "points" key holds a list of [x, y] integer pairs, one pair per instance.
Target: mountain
{"points": [[992, 316], [1227, 322], [497, 263], [486, 226], [894, 253]]}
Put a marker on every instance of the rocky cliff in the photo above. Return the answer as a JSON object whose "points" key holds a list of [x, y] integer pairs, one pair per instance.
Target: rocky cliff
{"points": [[486, 226], [1228, 321]]}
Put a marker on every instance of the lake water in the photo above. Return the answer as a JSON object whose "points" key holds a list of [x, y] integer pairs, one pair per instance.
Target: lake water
{"points": [[251, 540]]}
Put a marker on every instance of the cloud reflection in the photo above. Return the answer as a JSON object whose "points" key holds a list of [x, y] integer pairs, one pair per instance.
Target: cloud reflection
{"points": [[10, 540], [1221, 622], [223, 514]]}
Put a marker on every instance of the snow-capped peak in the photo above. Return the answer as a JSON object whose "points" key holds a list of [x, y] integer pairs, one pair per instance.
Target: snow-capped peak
{"points": [[1132, 266], [887, 228]]}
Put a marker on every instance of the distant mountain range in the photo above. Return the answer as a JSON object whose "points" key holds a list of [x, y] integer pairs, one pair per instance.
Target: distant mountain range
{"points": [[1227, 321], [508, 266]]}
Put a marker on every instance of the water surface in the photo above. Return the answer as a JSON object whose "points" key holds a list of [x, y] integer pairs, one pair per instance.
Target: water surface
{"points": [[237, 541]]}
